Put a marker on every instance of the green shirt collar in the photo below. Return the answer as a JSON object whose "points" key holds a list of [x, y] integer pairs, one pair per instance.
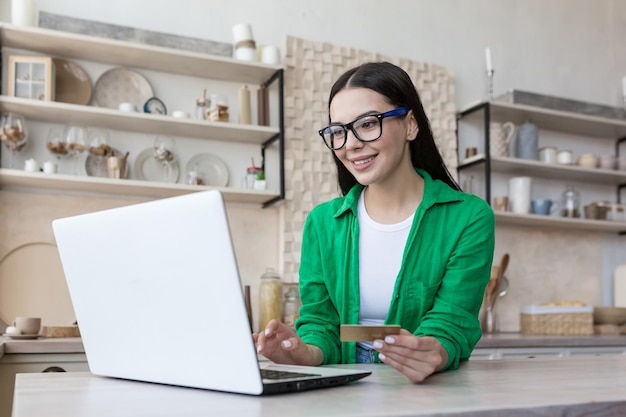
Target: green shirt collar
{"points": [[435, 191]]}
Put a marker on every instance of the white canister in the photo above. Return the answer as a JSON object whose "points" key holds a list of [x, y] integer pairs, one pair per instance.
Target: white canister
{"points": [[23, 13], [520, 194], [547, 155], [270, 55], [565, 157], [246, 53], [49, 167], [31, 165]]}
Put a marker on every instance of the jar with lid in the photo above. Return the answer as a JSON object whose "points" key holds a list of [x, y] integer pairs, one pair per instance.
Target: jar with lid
{"points": [[570, 202], [291, 307], [271, 297], [202, 109], [252, 173]]}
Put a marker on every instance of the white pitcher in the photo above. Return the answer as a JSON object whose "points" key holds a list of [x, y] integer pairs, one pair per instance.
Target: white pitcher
{"points": [[500, 136]]}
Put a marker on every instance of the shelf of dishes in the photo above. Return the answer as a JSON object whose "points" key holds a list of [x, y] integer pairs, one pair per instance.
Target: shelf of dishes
{"points": [[37, 180], [47, 111], [71, 45], [553, 222], [562, 121], [518, 166]]}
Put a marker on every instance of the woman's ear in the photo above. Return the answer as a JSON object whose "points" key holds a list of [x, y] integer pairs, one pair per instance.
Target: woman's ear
{"points": [[412, 127]]}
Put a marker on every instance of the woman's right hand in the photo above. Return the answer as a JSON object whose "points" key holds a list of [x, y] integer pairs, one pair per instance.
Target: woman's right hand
{"points": [[281, 344]]}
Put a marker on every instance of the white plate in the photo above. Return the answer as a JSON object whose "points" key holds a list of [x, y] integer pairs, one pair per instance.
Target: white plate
{"points": [[96, 165], [121, 85], [211, 169], [148, 168]]}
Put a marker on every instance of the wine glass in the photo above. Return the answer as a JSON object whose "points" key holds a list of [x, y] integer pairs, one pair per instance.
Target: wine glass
{"points": [[75, 138], [55, 142], [164, 152], [13, 133], [99, 150]]}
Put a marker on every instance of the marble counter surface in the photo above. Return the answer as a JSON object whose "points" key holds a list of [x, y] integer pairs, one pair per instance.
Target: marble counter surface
{"points": [[590, 386]]}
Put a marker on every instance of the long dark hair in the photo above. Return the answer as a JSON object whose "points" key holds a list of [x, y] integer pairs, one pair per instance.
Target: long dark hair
{"points": [[396, 85]]}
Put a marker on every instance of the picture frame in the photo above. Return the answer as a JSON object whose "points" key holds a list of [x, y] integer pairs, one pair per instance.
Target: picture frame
{"points": [[31, 77]]}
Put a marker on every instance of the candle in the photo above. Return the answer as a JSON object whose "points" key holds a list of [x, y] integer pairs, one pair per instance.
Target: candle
{"points": [[488, 59]]}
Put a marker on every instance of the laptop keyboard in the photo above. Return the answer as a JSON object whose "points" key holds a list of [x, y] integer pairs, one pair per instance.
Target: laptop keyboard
{"points": [[273, 375]]}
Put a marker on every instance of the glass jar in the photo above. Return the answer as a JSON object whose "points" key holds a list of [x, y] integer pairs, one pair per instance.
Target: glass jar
{"points": [[271, 297], [291, 307], [252, 174], [202, 108], [570, 202]]}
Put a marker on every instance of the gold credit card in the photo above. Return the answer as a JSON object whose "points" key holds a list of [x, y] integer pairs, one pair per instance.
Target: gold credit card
{"points": [[363, 333]]}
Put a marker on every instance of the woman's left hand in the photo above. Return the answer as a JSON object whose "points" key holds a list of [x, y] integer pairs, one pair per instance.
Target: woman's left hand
{"points": [[415, 357]]}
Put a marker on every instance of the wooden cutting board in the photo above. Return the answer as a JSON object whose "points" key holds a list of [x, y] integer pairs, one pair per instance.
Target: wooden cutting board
{"points": [[619, 288]]}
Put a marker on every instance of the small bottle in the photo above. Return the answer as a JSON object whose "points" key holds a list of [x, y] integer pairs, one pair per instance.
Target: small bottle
{"points": [[271, 294], [291, 306], [202, 108]]}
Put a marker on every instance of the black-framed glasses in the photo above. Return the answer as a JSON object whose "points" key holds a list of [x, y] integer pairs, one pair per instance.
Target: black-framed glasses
{"points": [[366, 128]]}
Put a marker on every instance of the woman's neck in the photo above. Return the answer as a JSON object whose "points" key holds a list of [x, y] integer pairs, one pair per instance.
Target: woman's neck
{"points": [[391, 203]]}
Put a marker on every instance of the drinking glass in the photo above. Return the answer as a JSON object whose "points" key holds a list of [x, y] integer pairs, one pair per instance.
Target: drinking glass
{"points": [[13, 134], [75, 138]]}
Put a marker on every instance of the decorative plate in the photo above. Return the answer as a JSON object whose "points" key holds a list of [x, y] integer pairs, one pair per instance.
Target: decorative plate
{"points": [[71, 83], [148, 168], [121, 85], [210, 169]]}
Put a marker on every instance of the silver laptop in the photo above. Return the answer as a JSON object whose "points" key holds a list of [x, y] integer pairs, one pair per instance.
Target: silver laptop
{"points": [[158, 298]]}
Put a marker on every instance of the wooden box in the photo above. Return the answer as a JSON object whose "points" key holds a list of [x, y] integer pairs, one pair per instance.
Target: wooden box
{"points": [[556, 321], [31, 77]]}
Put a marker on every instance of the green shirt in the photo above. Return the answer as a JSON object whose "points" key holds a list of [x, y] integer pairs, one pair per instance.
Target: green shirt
{"points": [[440, 286]]}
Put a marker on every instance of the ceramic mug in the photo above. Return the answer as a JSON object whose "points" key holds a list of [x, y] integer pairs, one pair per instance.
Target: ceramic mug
{"points": [[544, 206], [500, 136], [519, 194], [27, 325], [565, 157]]}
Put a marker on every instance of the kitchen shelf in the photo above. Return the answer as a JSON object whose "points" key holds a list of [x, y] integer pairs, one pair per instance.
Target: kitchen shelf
{"points": [[559, 222], [562, 121], [70, 45], [12, 178], [49, 111], [167, 60], [517, 166]]}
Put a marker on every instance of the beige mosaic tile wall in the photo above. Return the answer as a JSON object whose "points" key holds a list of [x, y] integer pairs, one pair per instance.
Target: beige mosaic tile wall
{"points": [[311, 68]]}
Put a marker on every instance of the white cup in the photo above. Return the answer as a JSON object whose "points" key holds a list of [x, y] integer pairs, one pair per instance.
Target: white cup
{"points": [[270, 55], [23, 13], [520, 194], [49, 167], [547, 155], [245, 54], [127, 107], [180, 114], [565, 158], [31, 165]]}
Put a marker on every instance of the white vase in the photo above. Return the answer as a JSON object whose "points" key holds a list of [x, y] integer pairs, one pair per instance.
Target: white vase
{"points": [[23, 13]]}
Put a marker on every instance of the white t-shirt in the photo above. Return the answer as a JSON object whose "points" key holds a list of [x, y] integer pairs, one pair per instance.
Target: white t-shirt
{"points": [[381, 247]]}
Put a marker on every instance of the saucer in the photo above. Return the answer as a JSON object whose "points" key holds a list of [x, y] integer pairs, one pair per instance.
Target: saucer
{"points": [[21, 336]]}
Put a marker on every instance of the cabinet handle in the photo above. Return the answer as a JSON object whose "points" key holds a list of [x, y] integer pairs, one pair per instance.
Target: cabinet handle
{"points": [[54, 369]]}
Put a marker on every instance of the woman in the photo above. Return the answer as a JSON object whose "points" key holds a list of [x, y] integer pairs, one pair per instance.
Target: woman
{"points": [[402, 245]]}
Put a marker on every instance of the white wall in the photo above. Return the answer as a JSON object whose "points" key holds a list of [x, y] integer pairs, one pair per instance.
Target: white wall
{"points": [[568, 48]]}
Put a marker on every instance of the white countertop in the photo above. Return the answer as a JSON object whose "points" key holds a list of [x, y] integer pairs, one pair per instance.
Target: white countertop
{"points": [[594, 385]]}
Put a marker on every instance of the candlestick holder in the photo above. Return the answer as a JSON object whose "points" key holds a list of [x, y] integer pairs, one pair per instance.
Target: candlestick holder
{"points": [[490, 84]]}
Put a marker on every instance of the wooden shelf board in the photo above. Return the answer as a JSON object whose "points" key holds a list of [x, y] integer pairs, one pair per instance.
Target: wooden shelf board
{"points": [[71, 45], [563, 121], [533, 168], [136, 122], [559, 222], [35, 180]]}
